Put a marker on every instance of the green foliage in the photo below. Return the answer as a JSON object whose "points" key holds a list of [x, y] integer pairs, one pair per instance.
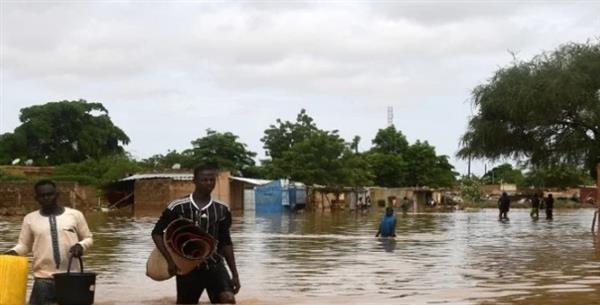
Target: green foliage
{"points": [[221, 150], [255, 171], [98, 172], [543, 111], [558, 175], [355, 170], [395, 163], [470, 188], [390, 141], [425, 168], [389, 169], [504, 173], [303, 152], [4, 176], [63, 132], [315, 160], [167, 161], [281, 137]]}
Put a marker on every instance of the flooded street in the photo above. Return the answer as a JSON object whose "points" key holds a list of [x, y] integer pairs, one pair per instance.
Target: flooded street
{"points": [[333, 258]]}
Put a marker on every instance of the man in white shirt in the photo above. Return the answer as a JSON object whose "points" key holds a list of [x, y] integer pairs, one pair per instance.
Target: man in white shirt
{"points": [[51, 234]]}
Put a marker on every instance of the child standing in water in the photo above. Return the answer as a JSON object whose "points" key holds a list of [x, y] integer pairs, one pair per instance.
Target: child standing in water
{"points": [[535, 207], [387, 227]]}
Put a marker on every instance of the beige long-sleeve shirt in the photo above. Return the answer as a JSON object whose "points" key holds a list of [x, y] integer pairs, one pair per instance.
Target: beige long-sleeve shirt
{"points": [[35, 237]]}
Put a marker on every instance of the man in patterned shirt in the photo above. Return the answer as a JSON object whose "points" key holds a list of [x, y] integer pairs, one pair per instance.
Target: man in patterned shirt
{"points": [[51, 234], [214, 218]]}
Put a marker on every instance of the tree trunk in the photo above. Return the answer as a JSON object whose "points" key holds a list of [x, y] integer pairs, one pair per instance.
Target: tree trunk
{"points": [[598, 194]]}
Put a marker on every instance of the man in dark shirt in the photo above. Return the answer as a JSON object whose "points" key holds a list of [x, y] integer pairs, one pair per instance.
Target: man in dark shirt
{"points": [[503, 206], [549, 206], [214, 218]]}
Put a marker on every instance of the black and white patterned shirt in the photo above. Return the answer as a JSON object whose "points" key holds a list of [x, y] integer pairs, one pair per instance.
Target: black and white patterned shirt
{"points": [[214, 218]]}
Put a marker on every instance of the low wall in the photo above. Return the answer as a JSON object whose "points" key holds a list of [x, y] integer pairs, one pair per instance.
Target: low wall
{"points": [[18, 198], [153, 195]]}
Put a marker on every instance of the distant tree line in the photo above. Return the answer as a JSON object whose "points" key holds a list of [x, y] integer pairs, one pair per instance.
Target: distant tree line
{"points": [[82, 142]]}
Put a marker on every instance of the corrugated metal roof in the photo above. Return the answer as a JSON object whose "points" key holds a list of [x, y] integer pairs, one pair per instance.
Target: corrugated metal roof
{"points": [[173, 176], [250, 180]]}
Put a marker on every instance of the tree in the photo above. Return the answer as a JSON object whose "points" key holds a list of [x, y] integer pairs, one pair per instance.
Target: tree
{"points": [[172, 157], [470, 188], [390, 141], [559, 175], [395, 163], [221, 150], [63, 132], [100, 171], [386, 159], [543, 111], [283, 136], [504, 173], [356, 171], [302, 152], [389, 169], [315, 160], [425, 168]]}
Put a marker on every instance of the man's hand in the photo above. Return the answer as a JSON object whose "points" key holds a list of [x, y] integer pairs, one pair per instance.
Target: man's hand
{"points": [[11, 252], [76, 250], [235, 283]]}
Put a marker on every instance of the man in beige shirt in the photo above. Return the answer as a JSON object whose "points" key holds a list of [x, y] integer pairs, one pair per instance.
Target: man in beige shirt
{"points": [[51, 233]]}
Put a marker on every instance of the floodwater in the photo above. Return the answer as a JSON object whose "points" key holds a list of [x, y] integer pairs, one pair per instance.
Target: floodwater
{"points": [[333, 258]]}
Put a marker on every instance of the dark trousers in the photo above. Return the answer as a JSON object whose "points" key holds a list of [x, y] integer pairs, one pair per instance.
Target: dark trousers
{"points": [[43, 292], [214, 278], [548, 213]]}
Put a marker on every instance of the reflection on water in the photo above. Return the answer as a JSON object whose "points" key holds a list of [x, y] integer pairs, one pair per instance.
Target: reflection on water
{"points": [[310, 258]]}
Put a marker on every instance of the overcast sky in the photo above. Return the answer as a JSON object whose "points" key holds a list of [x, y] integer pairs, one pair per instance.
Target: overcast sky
{"points": [[168, 70]]}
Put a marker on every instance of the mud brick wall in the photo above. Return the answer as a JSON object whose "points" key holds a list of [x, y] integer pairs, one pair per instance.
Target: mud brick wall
{"points": [[17, 198], [236, 195], [151, 196]]}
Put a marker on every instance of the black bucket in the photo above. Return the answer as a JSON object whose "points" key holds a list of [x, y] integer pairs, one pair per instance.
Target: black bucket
{"points": [[75, 288]]}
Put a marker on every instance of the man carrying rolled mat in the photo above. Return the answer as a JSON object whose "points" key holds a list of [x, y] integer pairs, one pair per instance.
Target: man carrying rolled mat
{"points": [[51, 233], [214, 218]]}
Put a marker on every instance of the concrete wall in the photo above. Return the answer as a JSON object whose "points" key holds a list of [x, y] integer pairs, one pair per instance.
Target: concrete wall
{"points": [[17, 198]]}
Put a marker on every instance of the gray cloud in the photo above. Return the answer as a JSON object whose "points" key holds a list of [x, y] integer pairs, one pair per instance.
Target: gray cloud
{"points": [[238, 66]]}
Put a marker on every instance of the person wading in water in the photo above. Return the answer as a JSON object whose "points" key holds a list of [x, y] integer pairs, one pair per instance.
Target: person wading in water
{"points": [[503, 206], [214, 218]]}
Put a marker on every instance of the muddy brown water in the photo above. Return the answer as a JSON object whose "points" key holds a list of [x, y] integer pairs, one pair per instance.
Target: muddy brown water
{"points": [[333, 258]]}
